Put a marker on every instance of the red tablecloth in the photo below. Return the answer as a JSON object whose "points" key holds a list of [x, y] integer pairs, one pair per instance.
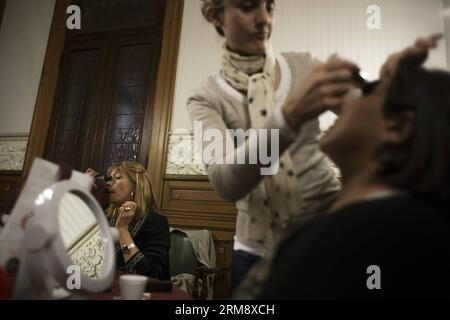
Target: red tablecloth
{"points": [[114, 293]]}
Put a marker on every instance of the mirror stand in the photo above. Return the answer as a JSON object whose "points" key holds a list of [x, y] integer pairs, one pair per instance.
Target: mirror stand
{"points": [[33, 236]]}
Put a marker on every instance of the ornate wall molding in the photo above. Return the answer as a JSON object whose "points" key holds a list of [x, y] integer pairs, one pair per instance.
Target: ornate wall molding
{"points": [[181, 155], [13, 148], [89, 254]]}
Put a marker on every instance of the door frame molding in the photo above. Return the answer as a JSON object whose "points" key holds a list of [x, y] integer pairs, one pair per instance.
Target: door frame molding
{"points": [[2, 10], [164, 92]]}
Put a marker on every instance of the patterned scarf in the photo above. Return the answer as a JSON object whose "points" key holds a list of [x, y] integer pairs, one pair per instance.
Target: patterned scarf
{"points": [[277, 197]]}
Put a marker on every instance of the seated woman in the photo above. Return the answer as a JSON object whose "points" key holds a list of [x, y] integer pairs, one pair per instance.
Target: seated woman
{"points": [[144, 234], [388, 234]]}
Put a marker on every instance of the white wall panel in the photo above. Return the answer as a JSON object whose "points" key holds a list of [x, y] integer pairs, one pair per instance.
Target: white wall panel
{"points": [[23, 43]]}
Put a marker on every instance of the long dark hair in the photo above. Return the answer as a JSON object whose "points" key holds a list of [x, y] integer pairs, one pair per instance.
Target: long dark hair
{"points": [[420, 165]]}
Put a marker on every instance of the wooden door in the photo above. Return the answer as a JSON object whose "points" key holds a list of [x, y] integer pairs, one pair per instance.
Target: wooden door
{"points": [[126, 112], [104, 99], [77, 104], [106, 85]]}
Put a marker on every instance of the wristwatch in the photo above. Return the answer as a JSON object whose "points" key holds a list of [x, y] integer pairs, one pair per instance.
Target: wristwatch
{"points": [[126, 248]]}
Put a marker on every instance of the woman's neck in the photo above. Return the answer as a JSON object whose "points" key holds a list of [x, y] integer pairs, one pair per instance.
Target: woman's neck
{"points": [[276, 80], [240, 52], [359, 188]]}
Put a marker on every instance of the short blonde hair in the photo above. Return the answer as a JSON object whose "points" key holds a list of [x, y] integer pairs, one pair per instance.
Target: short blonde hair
{"points": [[211, 9], [143, 191]]}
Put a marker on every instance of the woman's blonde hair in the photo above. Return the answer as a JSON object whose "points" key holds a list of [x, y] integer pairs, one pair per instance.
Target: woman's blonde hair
{"points": [[211, 9], [143, 191]]}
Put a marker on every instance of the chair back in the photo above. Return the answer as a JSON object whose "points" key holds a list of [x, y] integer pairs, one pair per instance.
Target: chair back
{"points": [[181, 254]]}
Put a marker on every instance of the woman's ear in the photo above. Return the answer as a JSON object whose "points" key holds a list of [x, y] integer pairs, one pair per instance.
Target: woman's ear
{"points": [[215, 17], [218, 23], [399, 129], [212, 15]]}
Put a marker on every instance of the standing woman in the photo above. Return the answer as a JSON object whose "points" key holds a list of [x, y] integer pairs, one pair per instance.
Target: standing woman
{"points": [[257, 88], [144, 235]]}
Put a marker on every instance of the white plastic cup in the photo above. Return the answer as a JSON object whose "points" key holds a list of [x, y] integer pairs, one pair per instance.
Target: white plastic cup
{"points": [[132, 286]]}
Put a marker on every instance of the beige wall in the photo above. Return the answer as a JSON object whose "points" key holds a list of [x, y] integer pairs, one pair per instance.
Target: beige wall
{"points": [[318, 26], [447, 29], [23, 42]]}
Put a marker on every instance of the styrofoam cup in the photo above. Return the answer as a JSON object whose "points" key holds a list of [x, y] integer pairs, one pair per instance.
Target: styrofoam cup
{"points": [[132, 286]]}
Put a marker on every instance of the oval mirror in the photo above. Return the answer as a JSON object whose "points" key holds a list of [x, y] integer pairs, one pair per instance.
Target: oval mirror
{"points": [[81, 235]]}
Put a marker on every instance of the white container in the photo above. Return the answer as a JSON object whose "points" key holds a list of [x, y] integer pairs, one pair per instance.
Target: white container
{"points": [[132, 286]]}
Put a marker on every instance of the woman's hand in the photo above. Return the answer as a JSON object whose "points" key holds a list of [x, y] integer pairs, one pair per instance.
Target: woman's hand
{"points": [[125, 214], [420, 48], [322, 89]]}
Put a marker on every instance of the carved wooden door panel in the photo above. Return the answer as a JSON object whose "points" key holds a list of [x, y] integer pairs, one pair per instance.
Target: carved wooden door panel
{"points": [[71, 132], [127, 114], [106, 85], [105, 97]]}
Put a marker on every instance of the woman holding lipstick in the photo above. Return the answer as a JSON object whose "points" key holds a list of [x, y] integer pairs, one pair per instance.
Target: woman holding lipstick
{"points": [[144, 235]]}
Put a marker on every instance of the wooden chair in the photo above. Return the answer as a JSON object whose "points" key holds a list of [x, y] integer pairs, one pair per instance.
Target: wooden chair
{"points": [[183, 259]]}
